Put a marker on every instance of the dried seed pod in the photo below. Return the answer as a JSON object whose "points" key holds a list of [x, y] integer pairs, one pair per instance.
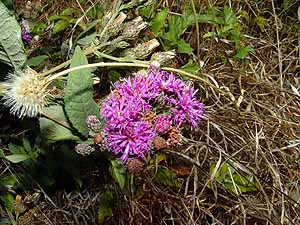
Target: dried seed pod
{"points": [[141, 51], [133, 28], [159, 143], [175, 136], [115, 27], [163, 58], [134, 165], [149, 117]]}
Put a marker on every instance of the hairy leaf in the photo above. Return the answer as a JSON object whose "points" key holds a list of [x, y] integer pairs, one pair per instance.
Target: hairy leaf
{"points": [[79, 103], [10, 39]]}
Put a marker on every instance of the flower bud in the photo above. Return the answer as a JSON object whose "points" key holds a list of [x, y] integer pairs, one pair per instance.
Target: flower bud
{"points": [[93, 123], [98, 139], [84, 149], [162, 124]]}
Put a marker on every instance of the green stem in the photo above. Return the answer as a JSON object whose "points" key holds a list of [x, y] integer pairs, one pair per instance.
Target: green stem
{"points": [[127, 64], [88, 51], [100, 64]]}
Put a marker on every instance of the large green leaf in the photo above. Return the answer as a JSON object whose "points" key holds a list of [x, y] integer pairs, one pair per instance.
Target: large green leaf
{"points": [[158, 22], [17, 158], [118, 172], [10, 39], [166, 177], [37, 60], [107, 203], [53, 131], [79, 103], [232, 179]]}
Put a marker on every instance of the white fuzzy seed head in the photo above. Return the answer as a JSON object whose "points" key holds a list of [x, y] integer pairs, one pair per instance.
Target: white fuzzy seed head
{"points": [[25, 94]]}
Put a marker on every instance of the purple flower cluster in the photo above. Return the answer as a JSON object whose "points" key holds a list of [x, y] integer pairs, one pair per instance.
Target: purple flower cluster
{"points": [[26, 36], [173, 101]]}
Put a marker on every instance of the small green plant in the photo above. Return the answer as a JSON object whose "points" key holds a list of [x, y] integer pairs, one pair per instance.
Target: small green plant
{"points": [[224, 24], [227, 26]]}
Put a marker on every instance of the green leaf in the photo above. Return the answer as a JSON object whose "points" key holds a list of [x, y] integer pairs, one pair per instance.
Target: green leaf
{"points": [[79, 103], [39, 28], [243, 52], [175, 29], [209, 18], [8, 200], [229, 17], [158, 22], [60, 25], [5, 221], [188, 19], [2, 156], [232, 179], [118, 172], [184, 47], [17, 158], [68, 11], [8, 3], [53, 131], [261, 22], [287, 4], [26, 144], [10, 181], [107, 203], [166, 177], [37, 60], [87, 40], [113, 75], [191, 67], [10, 38], [209, 34]]}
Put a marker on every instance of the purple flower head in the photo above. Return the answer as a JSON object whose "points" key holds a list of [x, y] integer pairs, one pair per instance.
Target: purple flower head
{"points": [[134, 140], [118, 110], [162, 124], [187, 109], [141, 86], [128, 133], [26, 36], [171, 84]]}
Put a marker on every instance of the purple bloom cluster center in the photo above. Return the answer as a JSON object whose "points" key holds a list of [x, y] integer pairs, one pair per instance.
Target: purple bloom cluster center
{"points": [[171, 101]]}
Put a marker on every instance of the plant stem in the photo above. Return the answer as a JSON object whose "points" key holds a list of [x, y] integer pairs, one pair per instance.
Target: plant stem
{"points": [[100, 64], [128, 64], [64, 64]]}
